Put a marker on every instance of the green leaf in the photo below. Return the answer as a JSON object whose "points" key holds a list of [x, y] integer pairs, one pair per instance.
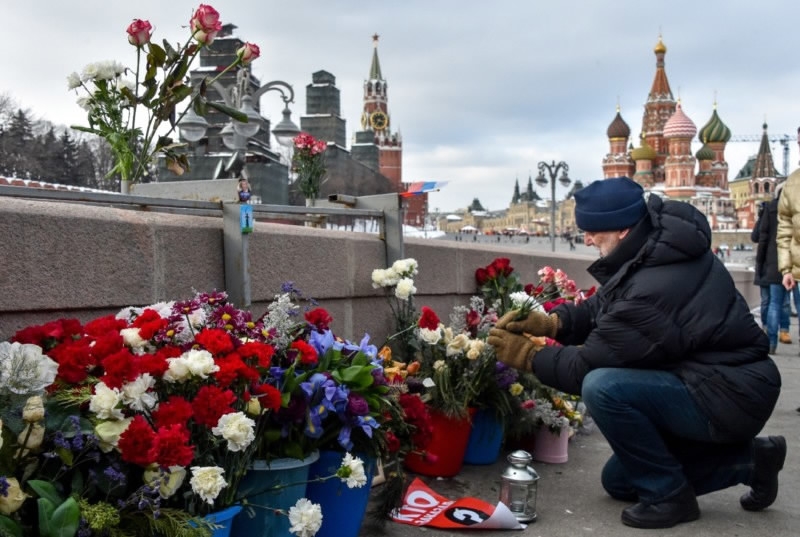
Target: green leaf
{"points": [[46, 490], [9, 527], [65, 519], [46, 509], [200, 106], [157, 54], [228, 111], [66, 455], [172, 54]]}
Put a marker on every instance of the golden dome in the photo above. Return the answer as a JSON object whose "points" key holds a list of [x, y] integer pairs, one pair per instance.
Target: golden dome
{"points": [[661, 48]]}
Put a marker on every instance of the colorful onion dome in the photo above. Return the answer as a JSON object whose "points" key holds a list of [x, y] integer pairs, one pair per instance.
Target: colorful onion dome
{"points": [[679, 125], [618, 128], [644, 152], [705, 153], [661, 48], [715, 130]]}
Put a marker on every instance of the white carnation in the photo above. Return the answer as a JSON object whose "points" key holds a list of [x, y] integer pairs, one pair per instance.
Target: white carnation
{"points": [[305, 518], [131, 338], [521, 299], [352, 471], [405, 288], [73, 81], [137, 394], [105, 402], [431, 337], [207, 482], [405, 267], [237, 429]]}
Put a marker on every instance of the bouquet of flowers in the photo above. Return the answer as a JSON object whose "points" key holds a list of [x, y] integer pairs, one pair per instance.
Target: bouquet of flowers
{"points": [[150, 418], [308, 162], [496, 283], [397, 281], [112, 102]]}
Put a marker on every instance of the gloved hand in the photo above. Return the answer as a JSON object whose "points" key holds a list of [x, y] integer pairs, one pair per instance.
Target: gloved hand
{"points": [[515, 350], [537, 324], [507, 318]]}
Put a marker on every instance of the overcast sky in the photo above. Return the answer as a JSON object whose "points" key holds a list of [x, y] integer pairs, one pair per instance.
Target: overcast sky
{"points": [[480, 91]]}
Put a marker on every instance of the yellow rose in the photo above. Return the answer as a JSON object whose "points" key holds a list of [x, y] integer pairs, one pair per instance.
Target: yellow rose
{"points": [[31, 436], [14, 498], [33, 410], [253, 407]]}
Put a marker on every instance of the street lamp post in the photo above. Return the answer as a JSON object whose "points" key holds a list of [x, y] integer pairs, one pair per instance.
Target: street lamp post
{"points": [[236, 133], [552, 171]]}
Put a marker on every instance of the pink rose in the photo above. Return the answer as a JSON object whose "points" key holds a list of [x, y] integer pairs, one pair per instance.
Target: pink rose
{"points": [[205, 24], [139, 32], [248, 52]]}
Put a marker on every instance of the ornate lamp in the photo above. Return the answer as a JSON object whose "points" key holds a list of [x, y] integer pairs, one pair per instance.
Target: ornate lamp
{"points": [[518, 487]]}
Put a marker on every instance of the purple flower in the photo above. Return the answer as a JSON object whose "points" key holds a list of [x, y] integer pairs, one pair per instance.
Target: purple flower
{"points": [[4, 486], [505, 376], [357, 405]]}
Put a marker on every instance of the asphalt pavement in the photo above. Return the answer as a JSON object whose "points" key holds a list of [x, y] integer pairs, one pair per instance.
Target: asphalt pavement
{"points": [[572, 503]]}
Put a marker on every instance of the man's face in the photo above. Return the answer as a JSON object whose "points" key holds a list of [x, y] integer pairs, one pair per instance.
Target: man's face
{"points": [[604, 241]]}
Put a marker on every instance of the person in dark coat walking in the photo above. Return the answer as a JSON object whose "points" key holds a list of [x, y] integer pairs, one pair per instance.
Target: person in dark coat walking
{"points": [[767, 267], [669, 360]]}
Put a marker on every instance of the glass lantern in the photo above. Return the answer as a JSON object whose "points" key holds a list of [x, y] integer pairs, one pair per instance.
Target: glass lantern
{"points": [[518, 488]]}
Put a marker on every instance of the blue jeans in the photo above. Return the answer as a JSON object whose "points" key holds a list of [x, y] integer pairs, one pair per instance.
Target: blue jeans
{"points": [[785, 311], [661, 439], [778, 311]]}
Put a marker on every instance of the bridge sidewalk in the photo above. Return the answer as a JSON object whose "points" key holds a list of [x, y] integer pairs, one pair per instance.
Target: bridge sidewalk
{"points": [[572, 503]]}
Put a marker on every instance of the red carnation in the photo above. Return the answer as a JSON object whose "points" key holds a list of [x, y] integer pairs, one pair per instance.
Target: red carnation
{"points": [[176, 409], [319, 318], [74, 360], [210, 403], [106, 344], [149, 323], [392, 442], [120, 367], [231, 367], [135, 443], [215, 341], [307, 354], [156, 364], [104, 325], [553, 303], [171, 446], [428, 319], [268, 396], [260, 351]]}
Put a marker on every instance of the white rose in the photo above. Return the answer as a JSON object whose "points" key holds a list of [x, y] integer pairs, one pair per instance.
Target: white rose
{"points": [[476, 347], [207, 482], [237, 429], [458, 345], [168, 481], [108, 433], [136, 394], [105, 402]]}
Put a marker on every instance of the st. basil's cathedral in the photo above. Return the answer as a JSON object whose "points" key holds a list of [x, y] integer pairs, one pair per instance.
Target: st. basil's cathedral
{"points": [[663, 162]]}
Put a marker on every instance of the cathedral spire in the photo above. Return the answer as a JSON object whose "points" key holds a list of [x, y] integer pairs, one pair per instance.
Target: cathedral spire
{"points": [[764, 166]]}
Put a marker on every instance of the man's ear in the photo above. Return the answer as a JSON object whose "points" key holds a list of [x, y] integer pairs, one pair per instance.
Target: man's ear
{"points": [[624, 233]]}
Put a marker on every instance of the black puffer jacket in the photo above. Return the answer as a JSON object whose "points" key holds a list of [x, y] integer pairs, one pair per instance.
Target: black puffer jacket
{"points": [[666, 302]]}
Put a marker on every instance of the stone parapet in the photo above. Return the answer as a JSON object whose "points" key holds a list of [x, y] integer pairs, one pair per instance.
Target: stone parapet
{"points": [[82, 261]]}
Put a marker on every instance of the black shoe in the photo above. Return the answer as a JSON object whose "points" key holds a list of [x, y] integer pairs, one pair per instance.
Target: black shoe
{"points": [[768, 455], [773, 349], [680, 508]]}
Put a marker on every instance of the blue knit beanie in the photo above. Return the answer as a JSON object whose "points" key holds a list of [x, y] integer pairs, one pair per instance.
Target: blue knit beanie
{"points": [[609, 205]]}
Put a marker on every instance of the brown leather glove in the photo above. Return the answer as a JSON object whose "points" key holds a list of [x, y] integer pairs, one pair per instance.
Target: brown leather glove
{"points": [[507, 318], [537, 324], [515, 350]]}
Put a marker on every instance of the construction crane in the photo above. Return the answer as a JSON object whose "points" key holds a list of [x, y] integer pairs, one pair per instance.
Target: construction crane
{"points": [[782, 139]]}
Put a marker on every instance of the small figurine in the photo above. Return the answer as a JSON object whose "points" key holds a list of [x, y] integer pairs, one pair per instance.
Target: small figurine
{"points": [[243, 188]]}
